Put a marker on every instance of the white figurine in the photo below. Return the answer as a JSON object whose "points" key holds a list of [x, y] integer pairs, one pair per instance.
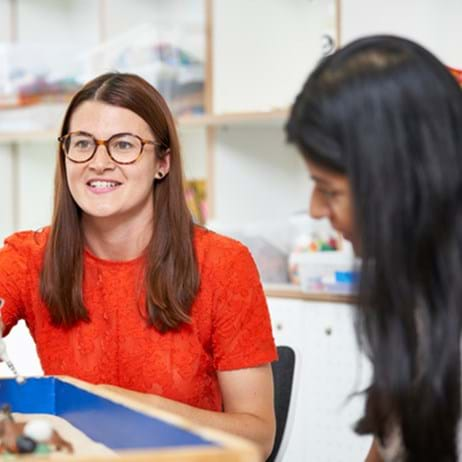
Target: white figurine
{"points": [[39, 430]]}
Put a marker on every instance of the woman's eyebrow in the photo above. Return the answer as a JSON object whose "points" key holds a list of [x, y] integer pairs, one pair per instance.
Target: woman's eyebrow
{"points": [[319, 180]]}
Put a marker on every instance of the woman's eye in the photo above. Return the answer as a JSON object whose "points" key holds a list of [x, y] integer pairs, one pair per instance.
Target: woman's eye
{"points": [[328, 194], [123, 145], [82, 144]]}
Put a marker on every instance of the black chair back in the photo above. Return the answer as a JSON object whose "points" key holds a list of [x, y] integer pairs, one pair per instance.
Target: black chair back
{"points": [[283, 375]]}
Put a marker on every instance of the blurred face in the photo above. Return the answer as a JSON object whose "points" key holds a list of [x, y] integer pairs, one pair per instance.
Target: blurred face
{"points": [[101, 187], [331, 198]]}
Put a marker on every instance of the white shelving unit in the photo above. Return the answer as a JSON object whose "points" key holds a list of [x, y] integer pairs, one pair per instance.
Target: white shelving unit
{"points": [[27, 150], [242, 117]]}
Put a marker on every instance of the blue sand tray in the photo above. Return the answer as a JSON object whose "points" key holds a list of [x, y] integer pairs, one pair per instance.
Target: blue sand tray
{"points": [[115, 424]]}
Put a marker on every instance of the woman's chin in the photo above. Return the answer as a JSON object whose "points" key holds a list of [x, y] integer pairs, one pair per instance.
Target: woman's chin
{"points": [[99, 213]]}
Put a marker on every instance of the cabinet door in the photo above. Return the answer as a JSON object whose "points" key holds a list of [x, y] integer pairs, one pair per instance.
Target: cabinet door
{"points": [[286, 319], [331, 369]]}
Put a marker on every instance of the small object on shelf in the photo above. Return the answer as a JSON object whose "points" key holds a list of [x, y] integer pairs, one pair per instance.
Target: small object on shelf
{"points": [[327, 44], [325, 271], [196, 199]]}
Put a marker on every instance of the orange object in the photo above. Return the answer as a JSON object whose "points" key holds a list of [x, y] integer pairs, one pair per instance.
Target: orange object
{"points": [[457, 73], [230, 327]]}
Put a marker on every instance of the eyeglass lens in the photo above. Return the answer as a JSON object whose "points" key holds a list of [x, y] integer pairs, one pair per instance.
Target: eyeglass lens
{"points": [[123, 148]]}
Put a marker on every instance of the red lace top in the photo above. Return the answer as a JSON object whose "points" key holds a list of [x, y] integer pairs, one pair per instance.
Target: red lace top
{"points": [[230, 326]]}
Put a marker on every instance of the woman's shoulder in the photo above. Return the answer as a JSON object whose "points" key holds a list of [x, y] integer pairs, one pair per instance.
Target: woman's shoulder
{"points": [[218, 254], [209, 243], [28, 243]]}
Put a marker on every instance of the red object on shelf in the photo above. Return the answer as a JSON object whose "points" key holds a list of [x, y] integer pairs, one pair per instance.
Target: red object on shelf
{"points": [[457, 74]]}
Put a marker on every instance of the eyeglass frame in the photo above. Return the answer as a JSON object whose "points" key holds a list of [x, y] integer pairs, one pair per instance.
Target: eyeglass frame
{"points": [[105, 142]]}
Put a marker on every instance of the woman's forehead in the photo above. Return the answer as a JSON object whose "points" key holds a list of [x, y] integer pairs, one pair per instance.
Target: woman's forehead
{"points": [[103, 120], [325, 175]]}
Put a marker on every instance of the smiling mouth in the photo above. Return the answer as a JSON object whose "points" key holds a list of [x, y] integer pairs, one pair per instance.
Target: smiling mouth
{"points": [[99, 184]]}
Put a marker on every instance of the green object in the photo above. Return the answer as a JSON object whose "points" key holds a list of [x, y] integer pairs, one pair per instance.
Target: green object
{"points": [[42, 448], [8, 456]]}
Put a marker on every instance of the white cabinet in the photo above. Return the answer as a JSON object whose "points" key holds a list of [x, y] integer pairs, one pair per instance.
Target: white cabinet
{"points": [[331, 369]]}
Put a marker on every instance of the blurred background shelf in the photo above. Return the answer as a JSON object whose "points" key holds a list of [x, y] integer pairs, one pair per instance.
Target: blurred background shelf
{"points": [[28, 137], [271, 118], [292, 291]]}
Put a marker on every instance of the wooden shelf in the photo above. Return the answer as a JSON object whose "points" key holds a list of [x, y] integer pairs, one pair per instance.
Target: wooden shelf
{"points": [[35, 100], [275, 117], [272, 118], [293, 291], [29, 136]]}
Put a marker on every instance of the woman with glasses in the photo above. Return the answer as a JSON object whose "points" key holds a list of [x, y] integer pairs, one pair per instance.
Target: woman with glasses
{"points": [[122, 288], [379, 124]]}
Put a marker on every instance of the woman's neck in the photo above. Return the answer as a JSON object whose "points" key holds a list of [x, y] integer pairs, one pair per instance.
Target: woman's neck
{"points": [[116, 240]]}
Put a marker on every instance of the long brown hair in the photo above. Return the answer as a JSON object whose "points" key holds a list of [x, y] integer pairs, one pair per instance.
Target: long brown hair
{"points": [[171, 275]]}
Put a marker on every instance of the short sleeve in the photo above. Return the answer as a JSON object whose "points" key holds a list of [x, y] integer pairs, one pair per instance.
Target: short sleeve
{"points": [[242, 335], [13, 273]]}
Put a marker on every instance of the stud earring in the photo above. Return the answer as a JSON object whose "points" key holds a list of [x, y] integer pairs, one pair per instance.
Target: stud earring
{"points": [[160, 175]]}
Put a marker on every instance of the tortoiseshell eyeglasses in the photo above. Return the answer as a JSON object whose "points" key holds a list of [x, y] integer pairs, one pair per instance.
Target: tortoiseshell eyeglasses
{"points": [[123, 148]]}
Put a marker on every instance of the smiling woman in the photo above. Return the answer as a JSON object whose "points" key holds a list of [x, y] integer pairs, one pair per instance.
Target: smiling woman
{"points": [[123, 289], [113, 176]]}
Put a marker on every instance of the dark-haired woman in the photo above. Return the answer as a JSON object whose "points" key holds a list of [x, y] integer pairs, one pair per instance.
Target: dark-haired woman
{"points": [[122, 288], [379, 124]]}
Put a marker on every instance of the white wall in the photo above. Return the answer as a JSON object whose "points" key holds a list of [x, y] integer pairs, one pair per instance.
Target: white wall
{"points": [[193, 150], [4, 21], [6, 192], [59, 22], [36, 173], [264, 49], [435, 24], [257, 176]]}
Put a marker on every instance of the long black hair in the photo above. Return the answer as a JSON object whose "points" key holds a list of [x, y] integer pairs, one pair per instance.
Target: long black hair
{"points": [[388, 114]]}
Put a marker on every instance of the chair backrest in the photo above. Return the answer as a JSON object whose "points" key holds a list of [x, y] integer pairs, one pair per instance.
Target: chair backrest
{"points": [[285, 383]]}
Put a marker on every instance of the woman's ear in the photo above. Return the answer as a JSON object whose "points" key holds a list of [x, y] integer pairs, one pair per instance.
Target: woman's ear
{"points": [[163, 165]]}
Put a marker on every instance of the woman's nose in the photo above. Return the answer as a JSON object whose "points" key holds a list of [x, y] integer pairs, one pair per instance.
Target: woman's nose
{"points": [[318, 206], [101, 160]]}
